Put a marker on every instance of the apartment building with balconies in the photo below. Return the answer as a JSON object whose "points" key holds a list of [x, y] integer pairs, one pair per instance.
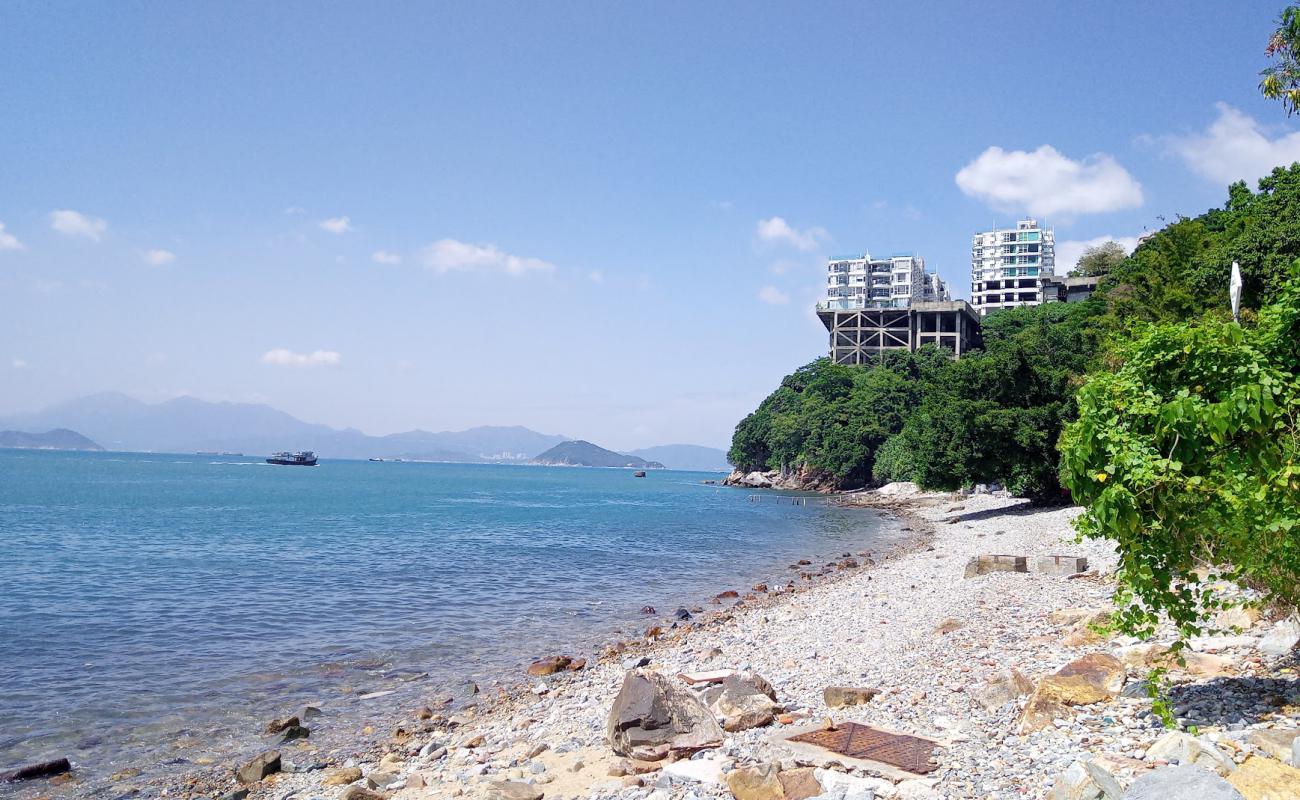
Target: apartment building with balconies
{"points": [[860, 281], [1012, 267]]}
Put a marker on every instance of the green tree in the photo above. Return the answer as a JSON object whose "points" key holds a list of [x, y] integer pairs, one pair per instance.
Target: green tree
{"points": [[1281, 80], [1099, 260], [1185, 457]]}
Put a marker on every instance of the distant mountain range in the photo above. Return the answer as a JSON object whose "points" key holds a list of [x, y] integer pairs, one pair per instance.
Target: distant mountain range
{"points": [[585, 454], [190, 425], [686, 456], [57, 439]]}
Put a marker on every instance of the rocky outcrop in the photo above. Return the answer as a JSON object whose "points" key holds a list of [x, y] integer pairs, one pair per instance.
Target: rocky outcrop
{"points": [[651, 718], [1094, 678], [802, 480]]}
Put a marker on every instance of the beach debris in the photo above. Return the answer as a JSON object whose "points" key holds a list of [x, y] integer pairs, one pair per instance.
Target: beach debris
{"points": [[840, 696], [1183, 748], [31, 772], [862, 742], [1009, 684], [1060, 565], [745, 702], [341, 776], [278, 725], [1094, 678], [1266, 779], [651, 718], [549, 665], [375, 695], [1180, 783], [984, 564], [258, 767]]}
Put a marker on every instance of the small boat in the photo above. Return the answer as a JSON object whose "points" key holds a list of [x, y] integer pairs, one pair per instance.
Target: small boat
{"points": [[639, 474], [304, 459], [375, 459]]}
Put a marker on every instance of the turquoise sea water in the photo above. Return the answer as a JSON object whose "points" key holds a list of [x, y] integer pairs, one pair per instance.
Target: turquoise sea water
{"points": [[159, 608]]}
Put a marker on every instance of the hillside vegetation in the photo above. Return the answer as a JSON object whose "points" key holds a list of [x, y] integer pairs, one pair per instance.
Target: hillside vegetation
{"points": [[996, 416]]}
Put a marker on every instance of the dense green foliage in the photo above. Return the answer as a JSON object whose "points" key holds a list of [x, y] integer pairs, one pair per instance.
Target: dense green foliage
{"points": [[1100, 260], [1186, 458]]}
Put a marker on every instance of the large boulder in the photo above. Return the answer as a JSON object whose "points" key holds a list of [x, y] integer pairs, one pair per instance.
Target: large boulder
{"points": [[1008, 685], [652, 718], [1282, 638], [1266, 779], [745, 702], [761, 782], [1094, 678], [1181, 783], [1187, 749]]}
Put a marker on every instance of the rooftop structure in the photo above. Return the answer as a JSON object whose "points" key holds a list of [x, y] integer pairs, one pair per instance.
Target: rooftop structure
{"points": [[1011, 267]]}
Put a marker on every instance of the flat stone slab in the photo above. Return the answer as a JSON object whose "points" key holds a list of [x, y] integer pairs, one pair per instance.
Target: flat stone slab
{"points": [[897, 756], [1061, 565], [984, 564], [712, 676]]}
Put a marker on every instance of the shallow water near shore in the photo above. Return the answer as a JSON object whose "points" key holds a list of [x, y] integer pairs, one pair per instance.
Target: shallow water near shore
{"points": [[156, 610]]}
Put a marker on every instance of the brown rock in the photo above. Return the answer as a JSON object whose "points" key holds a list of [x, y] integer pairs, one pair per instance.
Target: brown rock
{"points": [[548, 666], [43, 769], [278, 725], [653, 631], [947, 626], [361, 793], [839, 696], [730, 594], [799, 784], [1204, 665], [477, 741], [512, 790], [760, 587], [577, 664], [761, 782], [1094, 678], [257, 768], [1266, 779], [341, 776], [424, 712], [1006, 686], [1277, 742], [744, 702]]}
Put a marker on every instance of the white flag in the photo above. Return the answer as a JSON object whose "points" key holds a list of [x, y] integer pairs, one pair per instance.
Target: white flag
{"points": [[1234, 290]]}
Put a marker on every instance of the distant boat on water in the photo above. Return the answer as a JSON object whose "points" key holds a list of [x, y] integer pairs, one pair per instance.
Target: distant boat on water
{"points": [[304, 459]]}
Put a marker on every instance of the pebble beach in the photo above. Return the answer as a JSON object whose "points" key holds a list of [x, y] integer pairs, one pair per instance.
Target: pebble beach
{"points": [[941, 650]]}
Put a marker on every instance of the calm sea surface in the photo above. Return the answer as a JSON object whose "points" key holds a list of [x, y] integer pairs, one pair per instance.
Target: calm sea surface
{"points": [[155, 610]]}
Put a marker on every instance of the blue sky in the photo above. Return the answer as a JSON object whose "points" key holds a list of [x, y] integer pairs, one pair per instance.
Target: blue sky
{"points": [[606, 220]]}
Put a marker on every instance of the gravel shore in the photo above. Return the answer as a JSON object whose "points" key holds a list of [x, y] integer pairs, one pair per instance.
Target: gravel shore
{"points": [[913, 626]]}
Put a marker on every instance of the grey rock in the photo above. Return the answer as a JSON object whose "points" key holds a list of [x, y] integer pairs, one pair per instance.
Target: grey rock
{"points": [[652, 717], [257, 768], [1181, 783]]}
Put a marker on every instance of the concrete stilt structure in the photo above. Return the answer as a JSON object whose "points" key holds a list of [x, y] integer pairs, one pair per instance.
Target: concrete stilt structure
{"points": [[862, 335]]}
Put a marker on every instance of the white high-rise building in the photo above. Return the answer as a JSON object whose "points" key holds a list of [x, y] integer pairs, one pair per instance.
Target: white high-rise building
{"points": [[860, 281], [1011, 267]]}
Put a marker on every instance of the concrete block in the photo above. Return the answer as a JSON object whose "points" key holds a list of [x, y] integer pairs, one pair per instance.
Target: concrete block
{"points": [[1060, 565]]}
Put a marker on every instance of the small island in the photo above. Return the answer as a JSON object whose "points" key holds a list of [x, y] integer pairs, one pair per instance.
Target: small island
{"points": [[57, 439], [580, 453]]}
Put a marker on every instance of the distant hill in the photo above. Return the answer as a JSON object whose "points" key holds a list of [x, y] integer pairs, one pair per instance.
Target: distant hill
{"points": [[585, 454], [57, 439], [686, 456], [189, 425]]}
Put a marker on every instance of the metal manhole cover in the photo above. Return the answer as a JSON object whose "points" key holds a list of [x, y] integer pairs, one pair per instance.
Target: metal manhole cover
{"points": [[851, 739]]}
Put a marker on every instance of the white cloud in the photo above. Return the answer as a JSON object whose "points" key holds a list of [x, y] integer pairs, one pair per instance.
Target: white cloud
{"points": [[775, 230], [336, 225], [158, 258], [385, 257], [74, 223], [1235, 147], [596, 276], [283, 357], [8, 241], [1045, 182], [18, 363], [1068, 252], [773, 296], [451, 255]]}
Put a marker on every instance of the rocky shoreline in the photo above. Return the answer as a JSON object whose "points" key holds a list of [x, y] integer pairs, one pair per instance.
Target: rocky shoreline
{"points": [[974, 638]]}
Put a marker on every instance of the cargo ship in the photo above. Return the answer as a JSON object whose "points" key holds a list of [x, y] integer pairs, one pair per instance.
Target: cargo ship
{"points": [[304, 459]]}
